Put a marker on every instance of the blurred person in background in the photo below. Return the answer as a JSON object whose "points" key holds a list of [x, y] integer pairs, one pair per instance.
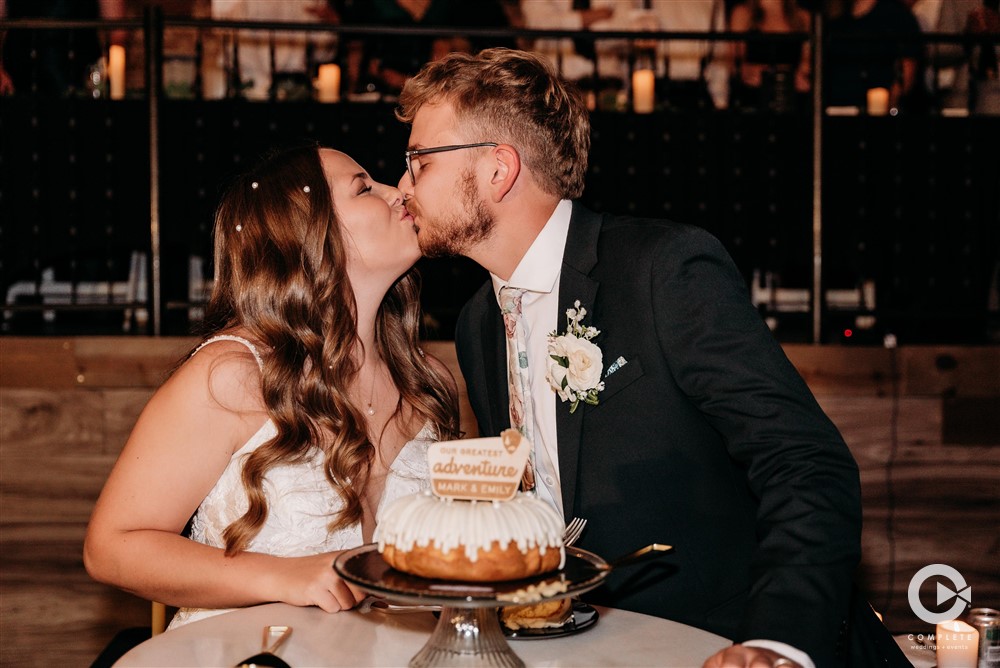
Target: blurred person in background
{"points": [[53, 62], [882, 56], [252, 74], [580, 58], [984, 62], [770, 75], [689, 73], [696, 73], [382, 63]]}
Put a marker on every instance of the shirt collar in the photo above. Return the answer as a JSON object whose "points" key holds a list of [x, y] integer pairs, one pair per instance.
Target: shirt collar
{"points": [[538, 271]]}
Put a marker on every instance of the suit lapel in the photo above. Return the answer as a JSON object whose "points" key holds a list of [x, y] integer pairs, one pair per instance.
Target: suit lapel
{"points": [[575, 284]]}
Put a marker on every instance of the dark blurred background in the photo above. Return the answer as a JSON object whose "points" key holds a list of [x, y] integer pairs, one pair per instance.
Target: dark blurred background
{"points": [[908, 184]]}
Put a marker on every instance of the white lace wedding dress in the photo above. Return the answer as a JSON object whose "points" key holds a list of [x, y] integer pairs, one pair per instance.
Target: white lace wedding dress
{"points": [[300, 501]]}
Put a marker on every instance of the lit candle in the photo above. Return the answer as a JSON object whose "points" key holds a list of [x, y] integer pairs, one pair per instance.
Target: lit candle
{"points": [[957, 645], [643, 83], [878, 101], [116, 71], [329, 83]]}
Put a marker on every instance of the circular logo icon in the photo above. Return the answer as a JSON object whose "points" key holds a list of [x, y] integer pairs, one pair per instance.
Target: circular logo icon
{"points": [[962, 593]]}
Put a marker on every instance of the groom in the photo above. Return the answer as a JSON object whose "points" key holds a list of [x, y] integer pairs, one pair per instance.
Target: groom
{"points": [[666, 412]]}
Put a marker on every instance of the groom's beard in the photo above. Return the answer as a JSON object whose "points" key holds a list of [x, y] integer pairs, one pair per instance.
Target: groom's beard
{"points": [[455, 234]]}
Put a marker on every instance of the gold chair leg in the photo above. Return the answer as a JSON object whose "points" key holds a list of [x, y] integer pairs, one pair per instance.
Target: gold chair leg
{"points": [[159, 623]]}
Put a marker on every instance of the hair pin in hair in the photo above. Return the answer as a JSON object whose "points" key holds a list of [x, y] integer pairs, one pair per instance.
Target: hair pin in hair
{"points": [[254, 185], [305, 189], [239, 227]]}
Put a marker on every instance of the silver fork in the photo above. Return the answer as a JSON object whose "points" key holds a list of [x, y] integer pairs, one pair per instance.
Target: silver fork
{"points": [[375, 603], [573, 530]]}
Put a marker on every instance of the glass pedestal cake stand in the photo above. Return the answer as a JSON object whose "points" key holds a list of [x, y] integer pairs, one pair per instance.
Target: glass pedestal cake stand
{"points": [[468, 632]]}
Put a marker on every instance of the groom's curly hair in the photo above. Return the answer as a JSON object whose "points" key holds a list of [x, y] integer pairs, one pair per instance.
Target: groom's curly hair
{"points": [[511, 97]]}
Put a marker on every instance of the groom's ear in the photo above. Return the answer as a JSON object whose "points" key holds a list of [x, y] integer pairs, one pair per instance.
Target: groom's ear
{"points": [[507, 165]]}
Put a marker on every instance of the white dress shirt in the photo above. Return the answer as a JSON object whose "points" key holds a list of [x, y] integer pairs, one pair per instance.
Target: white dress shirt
{"points": [[538, 274]]}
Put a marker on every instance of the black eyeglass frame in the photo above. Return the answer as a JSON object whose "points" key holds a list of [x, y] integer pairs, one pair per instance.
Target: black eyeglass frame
{"points": [[408, 155]]}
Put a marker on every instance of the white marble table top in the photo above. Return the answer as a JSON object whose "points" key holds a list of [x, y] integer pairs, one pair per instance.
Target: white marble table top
{"points": [[620, 638]]}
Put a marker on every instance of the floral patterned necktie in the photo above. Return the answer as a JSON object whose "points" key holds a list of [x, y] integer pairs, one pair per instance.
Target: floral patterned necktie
{"points": [[518, 383]]}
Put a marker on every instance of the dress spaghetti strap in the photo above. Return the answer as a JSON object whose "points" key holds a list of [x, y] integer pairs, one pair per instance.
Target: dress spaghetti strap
{"points": [[237, 339]]}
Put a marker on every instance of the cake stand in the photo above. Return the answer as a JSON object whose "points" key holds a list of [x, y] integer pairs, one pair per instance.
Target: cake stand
{"points": [[468, 632]]}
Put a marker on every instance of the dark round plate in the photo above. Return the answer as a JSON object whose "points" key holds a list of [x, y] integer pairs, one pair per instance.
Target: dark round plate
{"points": [[363, 566], [583, 618]]}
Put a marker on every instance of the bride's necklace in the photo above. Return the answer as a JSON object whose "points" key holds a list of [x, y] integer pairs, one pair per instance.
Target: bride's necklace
{"points": [[371, 397]]}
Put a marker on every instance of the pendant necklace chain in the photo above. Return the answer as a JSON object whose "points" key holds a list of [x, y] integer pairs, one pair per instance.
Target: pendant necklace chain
{"points": [[371, 397]]}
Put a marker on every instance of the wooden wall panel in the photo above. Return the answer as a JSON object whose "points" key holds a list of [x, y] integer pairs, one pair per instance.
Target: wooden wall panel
{"points": [[946, 510], [63, 489], [132, 362], [837, 371], [51, 612], [947, 500], [964, 371], [25, 362], [48, 423], [68, 405], [921, 370]]}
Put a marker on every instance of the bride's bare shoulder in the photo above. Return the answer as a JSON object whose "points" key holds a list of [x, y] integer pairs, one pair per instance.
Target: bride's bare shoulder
{"points": [[223, 373]]}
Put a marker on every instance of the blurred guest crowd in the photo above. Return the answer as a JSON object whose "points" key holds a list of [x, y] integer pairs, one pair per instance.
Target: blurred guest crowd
{"points": [[873, 44]]}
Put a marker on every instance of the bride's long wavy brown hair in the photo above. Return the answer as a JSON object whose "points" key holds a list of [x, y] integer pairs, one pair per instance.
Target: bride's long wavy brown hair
{"points": [[281, 274]]}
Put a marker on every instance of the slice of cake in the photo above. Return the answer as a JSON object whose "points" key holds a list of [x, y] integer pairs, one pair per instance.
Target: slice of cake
{"points": [[544, 615]]}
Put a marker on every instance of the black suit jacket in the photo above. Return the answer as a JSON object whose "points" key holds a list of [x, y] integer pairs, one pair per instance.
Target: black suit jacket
{"points": [[706, 439]]}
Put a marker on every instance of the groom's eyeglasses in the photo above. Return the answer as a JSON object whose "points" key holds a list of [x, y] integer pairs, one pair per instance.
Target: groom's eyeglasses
{"points": [[437, 149]]}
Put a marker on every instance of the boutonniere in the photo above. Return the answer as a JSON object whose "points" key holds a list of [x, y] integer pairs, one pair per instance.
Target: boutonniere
{"points": [[575, 363]]}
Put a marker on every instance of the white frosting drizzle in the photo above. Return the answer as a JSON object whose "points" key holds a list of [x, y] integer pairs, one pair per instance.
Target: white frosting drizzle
{"points": [[424, 519]]}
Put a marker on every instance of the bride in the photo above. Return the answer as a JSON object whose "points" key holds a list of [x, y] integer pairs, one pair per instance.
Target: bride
{"points": [[307, 407]]}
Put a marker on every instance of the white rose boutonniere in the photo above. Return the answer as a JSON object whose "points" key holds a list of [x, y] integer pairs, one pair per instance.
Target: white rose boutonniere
{"points": [[575, 363]]}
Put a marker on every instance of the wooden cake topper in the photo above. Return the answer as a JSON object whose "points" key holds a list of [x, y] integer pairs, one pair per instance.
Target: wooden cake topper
{"points": [[481, 469]]}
